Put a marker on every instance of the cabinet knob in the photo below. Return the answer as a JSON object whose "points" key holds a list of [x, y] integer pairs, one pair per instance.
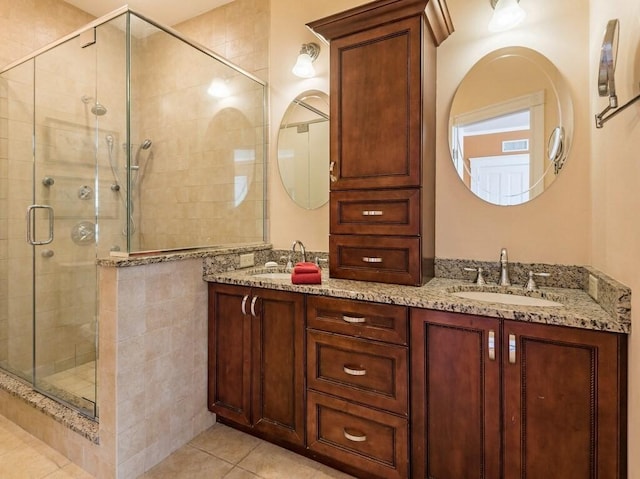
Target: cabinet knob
{"points": [[354, 370], [333, 178], [355, 436]]}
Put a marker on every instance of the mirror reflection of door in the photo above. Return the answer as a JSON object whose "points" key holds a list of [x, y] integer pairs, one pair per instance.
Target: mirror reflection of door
{"points": [[501, 180], [498, 146]]}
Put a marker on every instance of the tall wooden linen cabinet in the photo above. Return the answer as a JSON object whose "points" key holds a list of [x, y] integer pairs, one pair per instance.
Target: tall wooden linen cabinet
{"points": [[383, 79]]}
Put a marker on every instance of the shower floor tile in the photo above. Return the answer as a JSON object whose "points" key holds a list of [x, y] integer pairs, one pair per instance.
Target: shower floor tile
{"points": [[78, 381]]}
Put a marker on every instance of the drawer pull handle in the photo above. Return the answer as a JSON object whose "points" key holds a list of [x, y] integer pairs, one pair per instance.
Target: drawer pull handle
{"points": [[512, 348], [253, 306], [368, 259], [372, 213], [354, 370], [353, 319], [243, 307], [355, 436], [492, 345]]}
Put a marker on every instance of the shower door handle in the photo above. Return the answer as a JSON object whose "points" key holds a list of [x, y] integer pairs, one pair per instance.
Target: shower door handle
{"points": [[31, 222]]}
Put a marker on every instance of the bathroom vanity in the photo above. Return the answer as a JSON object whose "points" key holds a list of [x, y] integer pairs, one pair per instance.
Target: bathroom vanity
{"points": [[396, 382]]}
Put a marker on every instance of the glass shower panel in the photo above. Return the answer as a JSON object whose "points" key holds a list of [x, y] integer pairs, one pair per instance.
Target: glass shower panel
{"points": [[68, 114], [197, 146], [111, 135], [16, 194]]}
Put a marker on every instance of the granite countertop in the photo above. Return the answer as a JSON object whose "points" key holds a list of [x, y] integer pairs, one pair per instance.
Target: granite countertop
{"points": [[578, 309]]}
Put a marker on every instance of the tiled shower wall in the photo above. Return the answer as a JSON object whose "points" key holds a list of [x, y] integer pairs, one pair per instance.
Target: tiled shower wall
{"points": [[204, 182]]}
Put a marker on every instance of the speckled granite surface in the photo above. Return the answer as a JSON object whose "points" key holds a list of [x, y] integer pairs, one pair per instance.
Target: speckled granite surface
{"points": [[613, 297], [578, 309], [64, 415], [229, 254]]}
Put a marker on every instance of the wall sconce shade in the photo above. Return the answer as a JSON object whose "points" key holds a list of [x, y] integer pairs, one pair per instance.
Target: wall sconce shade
{"points": [[507, 14], [304, 65]]}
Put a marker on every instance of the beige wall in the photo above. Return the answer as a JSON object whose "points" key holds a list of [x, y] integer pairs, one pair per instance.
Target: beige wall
{"points": [[615, 177], [555, 227], [287, 221]]}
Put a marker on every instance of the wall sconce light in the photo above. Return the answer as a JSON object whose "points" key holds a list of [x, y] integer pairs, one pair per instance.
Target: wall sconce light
{"points": [[304, 65], [506, 14]]}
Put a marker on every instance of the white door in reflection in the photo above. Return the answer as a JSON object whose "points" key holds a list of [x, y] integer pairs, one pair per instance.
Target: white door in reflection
{"points": [[501, 180]]}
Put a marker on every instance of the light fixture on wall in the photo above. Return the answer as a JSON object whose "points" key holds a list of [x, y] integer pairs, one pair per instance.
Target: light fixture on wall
{"points": [[304, 65], [506, 14]]}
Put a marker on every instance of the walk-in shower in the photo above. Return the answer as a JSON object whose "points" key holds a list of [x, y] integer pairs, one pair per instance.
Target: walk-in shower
{"points": [[109, 146]]}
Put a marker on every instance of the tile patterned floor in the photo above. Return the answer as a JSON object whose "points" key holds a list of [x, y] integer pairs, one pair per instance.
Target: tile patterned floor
{"points": [[218, 453]]}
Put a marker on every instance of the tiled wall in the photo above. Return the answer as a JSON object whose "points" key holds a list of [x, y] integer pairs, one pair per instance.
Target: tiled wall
{"points": [[153, 362], [204, 149]]}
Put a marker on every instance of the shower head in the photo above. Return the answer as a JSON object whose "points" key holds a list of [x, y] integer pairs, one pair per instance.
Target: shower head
{"points": [[98, 109], [146, 144]]}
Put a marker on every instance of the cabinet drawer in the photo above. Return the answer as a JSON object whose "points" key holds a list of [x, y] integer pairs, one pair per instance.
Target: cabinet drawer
{"points": [[374, 258], [377, 212], [363, 371], [382, 322], [363, 438]]}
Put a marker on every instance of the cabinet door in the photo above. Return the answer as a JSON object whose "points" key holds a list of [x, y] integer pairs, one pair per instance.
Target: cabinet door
{"points": [[278, 365], [376, 107], [455, 396], [563, 390], [230, 353]]}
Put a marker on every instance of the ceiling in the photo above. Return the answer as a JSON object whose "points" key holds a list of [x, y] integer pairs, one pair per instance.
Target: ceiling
{"points": [[167, 12]]}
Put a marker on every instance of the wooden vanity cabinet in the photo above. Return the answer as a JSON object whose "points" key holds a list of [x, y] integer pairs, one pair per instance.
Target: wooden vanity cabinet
{"points": [[498, 398], [256, 361], [382, 148], [357, 386], [564, 391]]}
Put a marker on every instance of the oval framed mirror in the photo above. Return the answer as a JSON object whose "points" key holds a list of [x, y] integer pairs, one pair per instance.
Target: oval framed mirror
{"points": [[303, 149], [510, 126]]}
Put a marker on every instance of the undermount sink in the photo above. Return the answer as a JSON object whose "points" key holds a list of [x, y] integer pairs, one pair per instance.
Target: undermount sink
{"points": [[505, 298], [272, 275]]}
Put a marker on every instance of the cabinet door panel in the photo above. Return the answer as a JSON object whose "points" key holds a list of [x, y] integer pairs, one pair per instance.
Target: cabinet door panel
{"points": [[229, 354], [562, 402], [278, 365], [455, 396], [376, 111]]}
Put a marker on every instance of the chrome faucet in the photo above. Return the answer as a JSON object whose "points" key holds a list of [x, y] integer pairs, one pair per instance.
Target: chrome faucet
{"points": [[504, 269], [293, 250]]}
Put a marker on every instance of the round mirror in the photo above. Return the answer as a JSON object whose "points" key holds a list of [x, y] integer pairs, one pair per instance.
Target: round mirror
{"points": [[303, 149], [510, 126]]}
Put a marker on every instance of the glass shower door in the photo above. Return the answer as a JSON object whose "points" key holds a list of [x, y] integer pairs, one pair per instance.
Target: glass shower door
{"points": [[63, 223], [16, 193]]}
